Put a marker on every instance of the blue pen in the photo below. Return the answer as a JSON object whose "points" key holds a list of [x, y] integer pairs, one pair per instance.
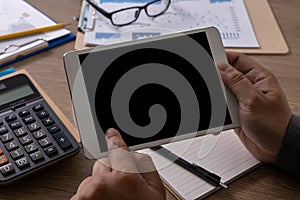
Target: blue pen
{"points": [[7, 71]]}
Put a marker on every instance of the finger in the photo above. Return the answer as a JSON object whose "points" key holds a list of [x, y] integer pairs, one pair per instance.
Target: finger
{"points": [[144, 163], [247, 142], [101, 166], [257, 151], [83, 191], [241, 62], [251, 69], [120, 157], [237, 82], [147, 169]]}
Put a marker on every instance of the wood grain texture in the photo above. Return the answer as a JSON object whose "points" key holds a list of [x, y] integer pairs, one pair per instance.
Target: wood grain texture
{"points": [[61, 180]]}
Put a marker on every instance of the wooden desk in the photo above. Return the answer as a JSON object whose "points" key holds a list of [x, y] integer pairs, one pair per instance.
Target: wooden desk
{"points": [[62, 180]]}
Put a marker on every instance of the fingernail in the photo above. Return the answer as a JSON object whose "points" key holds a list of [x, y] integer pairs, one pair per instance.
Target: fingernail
{"points": [[110, 132], [224, 67]]}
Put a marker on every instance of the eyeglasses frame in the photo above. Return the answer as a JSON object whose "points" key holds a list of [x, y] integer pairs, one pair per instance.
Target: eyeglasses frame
{"points": [[110, 14]]}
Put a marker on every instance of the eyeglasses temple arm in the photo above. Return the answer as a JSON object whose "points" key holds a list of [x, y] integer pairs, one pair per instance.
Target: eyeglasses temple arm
{"points": [[103, 12]]}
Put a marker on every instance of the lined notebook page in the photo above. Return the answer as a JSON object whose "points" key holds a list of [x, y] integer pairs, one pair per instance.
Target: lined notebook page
{"points": [[223, 154]]}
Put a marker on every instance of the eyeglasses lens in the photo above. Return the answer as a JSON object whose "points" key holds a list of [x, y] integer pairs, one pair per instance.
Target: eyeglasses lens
{"points": [[125, 16], [157, 8]]}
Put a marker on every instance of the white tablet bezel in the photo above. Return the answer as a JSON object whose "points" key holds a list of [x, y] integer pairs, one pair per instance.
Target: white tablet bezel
{"points": [[84, 119]]}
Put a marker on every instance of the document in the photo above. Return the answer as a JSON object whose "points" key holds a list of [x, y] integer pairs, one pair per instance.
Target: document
{"points": [[16, 16], [230, 17]]}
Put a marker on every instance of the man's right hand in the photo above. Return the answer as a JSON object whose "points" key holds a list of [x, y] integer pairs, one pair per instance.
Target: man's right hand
{"points": [[122, 175], [263, 110]]}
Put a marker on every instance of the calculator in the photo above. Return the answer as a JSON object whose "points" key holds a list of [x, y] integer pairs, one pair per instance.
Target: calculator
{"points": [[31, 135]]}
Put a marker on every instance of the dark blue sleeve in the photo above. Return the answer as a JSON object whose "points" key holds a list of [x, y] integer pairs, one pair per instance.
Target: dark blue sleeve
{"points": [[288, 158]]}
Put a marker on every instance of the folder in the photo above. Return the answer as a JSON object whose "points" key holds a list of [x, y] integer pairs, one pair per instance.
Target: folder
{"points": [[36, 48], [19, 16]]}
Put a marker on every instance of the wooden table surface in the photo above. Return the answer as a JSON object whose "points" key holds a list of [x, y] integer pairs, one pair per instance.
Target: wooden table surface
{"points": [[61, 181]]}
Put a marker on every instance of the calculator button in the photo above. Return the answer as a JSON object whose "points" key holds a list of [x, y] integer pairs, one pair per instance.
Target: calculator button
{"points": [[50, 150], [48, 121], [38, 107], [10, 118], [3, 160], [25, 140], [14, 125], [31, 148], [6, 137], [37, 156], [53, 129], [28, 120], [6, 169], [22, 162], [3, 130], [45, 142], [33, 127], [62, 141], [16, 153], [11, 145], [39, 134], [24, 113], [42, 114], [20, 132]]}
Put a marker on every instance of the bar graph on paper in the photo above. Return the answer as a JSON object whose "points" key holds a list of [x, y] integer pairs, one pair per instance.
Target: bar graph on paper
{"points": [[230, 17]]}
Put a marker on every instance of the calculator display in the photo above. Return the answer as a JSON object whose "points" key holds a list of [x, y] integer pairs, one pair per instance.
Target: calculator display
{"points": [[15, 94], [17, 91]]}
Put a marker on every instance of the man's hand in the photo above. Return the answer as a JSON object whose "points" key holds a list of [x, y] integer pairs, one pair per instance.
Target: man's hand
{"points": [[263, 109], [123, 175]]}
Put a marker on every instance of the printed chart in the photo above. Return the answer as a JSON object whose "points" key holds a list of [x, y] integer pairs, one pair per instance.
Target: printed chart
{"points": [[230, 17]]}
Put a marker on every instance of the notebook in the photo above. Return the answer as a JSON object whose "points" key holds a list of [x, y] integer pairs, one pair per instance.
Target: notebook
{"points": [[221, 154]]}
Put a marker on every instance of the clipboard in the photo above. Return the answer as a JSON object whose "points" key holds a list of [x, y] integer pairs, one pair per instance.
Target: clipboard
{"points": [[16, 49], [55, 108], [35, 47], [270, 38]]}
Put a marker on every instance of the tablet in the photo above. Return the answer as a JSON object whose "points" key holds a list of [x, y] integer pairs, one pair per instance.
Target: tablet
{"points": [[153, 91]]}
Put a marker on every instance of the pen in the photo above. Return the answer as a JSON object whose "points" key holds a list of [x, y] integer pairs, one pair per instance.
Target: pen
{"points": [[202, 173], [31, 31]]}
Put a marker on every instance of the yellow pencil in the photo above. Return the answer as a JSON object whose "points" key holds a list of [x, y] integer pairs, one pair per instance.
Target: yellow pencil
{"points": [[31, 32]]}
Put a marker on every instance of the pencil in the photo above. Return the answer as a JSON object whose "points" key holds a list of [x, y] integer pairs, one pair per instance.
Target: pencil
{"points": [[31, 32]]}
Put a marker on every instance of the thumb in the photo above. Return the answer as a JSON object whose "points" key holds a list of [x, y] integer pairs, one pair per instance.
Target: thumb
{"points": [[237, 82]]}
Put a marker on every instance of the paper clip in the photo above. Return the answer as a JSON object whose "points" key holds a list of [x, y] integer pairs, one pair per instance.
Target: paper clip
{"points": [[83, 24], [15, 47]]}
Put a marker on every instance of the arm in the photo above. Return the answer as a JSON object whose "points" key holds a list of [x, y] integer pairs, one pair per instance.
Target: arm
{"points": [[288, 158]]}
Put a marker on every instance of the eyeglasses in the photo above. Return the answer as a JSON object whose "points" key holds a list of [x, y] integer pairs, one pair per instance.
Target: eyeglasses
{"points": [[127, 16]]}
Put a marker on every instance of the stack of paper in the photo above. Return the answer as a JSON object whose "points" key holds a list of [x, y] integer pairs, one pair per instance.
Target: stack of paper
{"points": [[229, 16], [18, 15]]}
